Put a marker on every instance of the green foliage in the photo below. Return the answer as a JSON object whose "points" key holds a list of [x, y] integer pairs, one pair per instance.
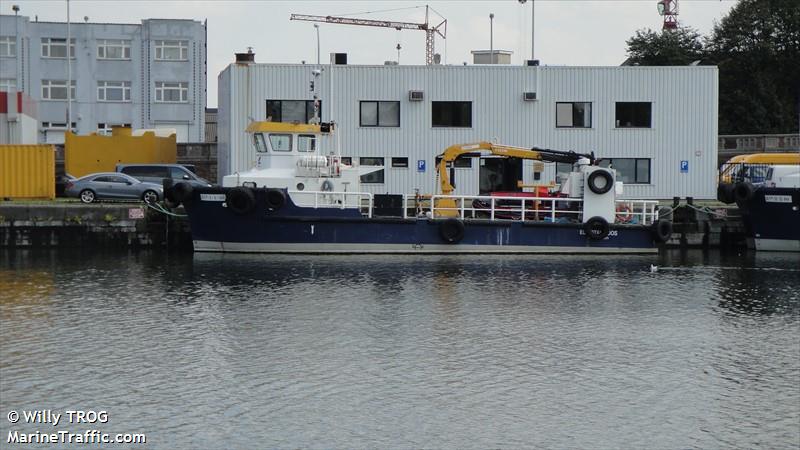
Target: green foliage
{"points": [[667, 48]]}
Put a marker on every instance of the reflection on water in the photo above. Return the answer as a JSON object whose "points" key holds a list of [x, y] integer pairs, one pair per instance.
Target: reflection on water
{"points": [[237, 351]]}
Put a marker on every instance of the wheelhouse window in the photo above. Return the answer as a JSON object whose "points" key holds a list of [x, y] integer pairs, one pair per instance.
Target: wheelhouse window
{"points": [[299, 111], [8, 46], [379, 114], [172, 92], [451, 114], [280, 142], [634, 114], [372, 177], [258, 141], [113, 49], [573, 115], [400, 163], [114, 91], [57, 48], [172, 50], [57, 90], [306, 143], [629, 170]]}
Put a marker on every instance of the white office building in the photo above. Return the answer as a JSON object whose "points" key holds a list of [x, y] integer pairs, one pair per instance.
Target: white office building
{"points": [[148, 75], [657, 126]]}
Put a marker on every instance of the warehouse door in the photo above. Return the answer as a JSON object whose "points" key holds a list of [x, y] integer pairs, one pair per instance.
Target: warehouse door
{"points": [[500, 175]]}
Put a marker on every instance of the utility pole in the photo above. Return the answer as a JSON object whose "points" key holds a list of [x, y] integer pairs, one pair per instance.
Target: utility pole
{"points": [[533, 24], [316, 25], [69, 73], [491, 38]]}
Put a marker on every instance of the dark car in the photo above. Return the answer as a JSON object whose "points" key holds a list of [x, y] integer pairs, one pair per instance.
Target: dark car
{"points": [[113, 186], [156, 173]]}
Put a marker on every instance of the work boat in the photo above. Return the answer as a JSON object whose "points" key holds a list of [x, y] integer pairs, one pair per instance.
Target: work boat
{"points": [[297, 200]]}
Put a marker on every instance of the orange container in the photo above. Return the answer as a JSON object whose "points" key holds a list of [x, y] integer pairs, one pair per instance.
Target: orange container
{"points": [[27, 171]]}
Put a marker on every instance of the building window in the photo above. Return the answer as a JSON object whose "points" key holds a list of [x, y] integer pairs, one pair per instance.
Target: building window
{"points": [[306, 143], [58, 125], [347, 160], [629, 170], [104, 129], [56, 90], [573, 115], [634, 114], [114, 91], [379, 114], [8, 84], [460, 163], [57, 48], [373, 177], [299, 111], [8, 46], [172, 50], [113, 49], [172, 92], [400, 162], [452, 114]]}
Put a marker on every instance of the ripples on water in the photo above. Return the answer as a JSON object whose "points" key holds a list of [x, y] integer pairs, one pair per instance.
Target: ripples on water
{"points": [[213, 351]]}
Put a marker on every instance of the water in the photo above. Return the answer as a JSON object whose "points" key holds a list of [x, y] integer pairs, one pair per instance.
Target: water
{"points": [[239, 351]]}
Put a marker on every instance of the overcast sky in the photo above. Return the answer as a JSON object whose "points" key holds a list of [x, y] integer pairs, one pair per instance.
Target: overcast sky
{"points": [[568, 32]]}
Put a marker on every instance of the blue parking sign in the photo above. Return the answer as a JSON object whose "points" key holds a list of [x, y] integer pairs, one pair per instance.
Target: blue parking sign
{"points": [[420, 165], [684, 166]]}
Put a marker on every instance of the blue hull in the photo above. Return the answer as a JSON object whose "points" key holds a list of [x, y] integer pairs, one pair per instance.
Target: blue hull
{"points": [[772, 218], [293, 229]]}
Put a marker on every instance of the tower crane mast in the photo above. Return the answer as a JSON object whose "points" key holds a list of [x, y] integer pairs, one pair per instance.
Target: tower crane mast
{"points": [[430, 31]]}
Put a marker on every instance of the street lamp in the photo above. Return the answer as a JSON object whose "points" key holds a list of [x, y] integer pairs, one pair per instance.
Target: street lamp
{"points": [[522, 2], [316, 26], [491, 38]]}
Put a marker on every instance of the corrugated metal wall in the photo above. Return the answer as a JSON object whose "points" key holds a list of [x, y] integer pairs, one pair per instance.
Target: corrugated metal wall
{"points": [[27, 171], [684, 116]]}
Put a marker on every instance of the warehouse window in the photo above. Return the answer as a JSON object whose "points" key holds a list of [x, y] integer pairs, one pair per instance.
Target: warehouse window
{"points": [[113, 49], [452, 114], [629, 170], [8, 46], [114, 91], [57, 125], [57, 48], [8, 84], [573, 115], [172, 92], [379, 114], [172, 50], [400, 163], [347, 160], [460, 163], [298, 111], [56, 90], [104, 129], [634, 114], [373, 177]]}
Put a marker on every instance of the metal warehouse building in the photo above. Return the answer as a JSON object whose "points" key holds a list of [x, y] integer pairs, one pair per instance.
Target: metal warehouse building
{"points": [[656, 125]]}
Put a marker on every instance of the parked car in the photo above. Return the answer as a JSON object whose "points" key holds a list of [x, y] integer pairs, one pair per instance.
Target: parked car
{"points": [[156, 173], [113, 186]]}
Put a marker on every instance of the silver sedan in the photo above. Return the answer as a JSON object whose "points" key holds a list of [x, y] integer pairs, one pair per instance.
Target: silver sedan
{"points": [[113, 186]]}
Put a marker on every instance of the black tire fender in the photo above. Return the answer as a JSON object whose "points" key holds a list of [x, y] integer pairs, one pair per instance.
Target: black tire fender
{"points": [[592, 181], [725, 193], [596, 228], [180, 192], [240, 200], [275, 199], [662, 230], [743, 192], [452, 230]]}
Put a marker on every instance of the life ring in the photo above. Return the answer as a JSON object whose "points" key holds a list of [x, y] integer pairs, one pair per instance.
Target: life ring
{"points": [[327, 186], [181, 192], [662, 230], [606, 176], [275, 199], [596, 228], [624, 213], [725, 193], [240, 200], [452, 230], [743, 192]]}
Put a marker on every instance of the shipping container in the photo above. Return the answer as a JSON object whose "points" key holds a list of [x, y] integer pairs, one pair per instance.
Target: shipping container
{"points": [[27, 171], [95, 153]]}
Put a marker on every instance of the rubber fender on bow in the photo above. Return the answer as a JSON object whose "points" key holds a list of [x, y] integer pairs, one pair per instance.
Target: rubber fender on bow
{"points": [[743, 192], [662, 230], [596, 228], [275, 199], [180, 192], [600, 189], [725, 193], [452, 230], [240, 200]]}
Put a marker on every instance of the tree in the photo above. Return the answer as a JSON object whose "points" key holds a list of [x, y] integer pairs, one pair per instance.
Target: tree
{"points": [[678, 47], [757, 49]]}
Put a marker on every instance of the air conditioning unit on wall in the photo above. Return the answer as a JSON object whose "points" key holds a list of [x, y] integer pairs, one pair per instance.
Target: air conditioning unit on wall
{"points": [[415, 96], [529, 96]]}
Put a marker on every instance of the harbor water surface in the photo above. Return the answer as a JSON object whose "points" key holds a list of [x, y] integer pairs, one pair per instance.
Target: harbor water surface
{"points": [[266, 351]]}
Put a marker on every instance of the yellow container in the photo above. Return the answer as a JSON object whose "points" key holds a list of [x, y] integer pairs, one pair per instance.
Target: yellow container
{"points": [[27, 171], [90, 154]]}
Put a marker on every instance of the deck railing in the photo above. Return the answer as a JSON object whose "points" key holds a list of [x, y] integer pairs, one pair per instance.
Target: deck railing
{"points": [[334, 199]]}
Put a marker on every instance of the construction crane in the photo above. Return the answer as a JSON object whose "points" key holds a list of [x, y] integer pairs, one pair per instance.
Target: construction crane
{"points": [[668, 9], [430, 31]]}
